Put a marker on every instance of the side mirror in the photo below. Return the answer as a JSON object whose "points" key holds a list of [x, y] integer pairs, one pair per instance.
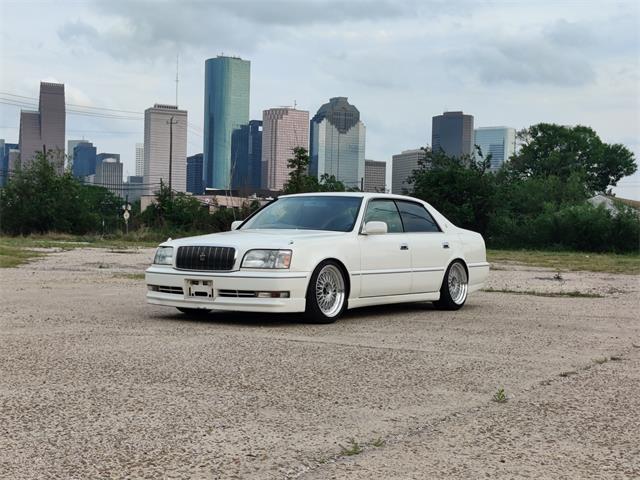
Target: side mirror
{"points": [[235, 224], [374, 228]]}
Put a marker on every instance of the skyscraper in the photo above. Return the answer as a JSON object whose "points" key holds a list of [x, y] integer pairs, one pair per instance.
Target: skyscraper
{"points": [[375, 176], [500, 142], [71, 144], [165, 124], [226, 120], [139, 159], [194, 174], [283, 129], [84, 159], [5, 171], [45, 127], [337, 142], [254, 171], [402, 167], [109, 175], [452, 132], [103, 156]]}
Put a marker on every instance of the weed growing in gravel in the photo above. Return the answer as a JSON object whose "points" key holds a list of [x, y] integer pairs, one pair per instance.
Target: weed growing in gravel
{"points": [[378, 442], [569, 373], [354, 448], [558, 276], [616, 358], [500, 396], [600, 360]]}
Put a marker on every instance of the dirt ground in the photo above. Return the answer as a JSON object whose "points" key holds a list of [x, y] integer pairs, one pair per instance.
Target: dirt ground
{"points": [[95, 383]]}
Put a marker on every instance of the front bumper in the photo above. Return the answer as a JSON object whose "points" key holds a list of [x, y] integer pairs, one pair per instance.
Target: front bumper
{"points": [[175, 287]]}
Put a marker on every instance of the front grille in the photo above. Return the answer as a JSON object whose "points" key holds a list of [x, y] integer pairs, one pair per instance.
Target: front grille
{"points": [[205, 258]]}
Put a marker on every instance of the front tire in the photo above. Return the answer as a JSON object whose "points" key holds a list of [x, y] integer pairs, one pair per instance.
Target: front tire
{"points": [[455, 286], [327, 293]]}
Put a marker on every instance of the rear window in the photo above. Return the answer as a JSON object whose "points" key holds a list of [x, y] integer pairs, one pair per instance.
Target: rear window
{"points": [[415, 218]]}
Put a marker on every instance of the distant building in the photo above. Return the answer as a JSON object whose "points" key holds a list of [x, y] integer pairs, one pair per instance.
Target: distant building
{"points": [[103, 156], [5, 171], [499, 142], [254, 170], [156, 148], [226, 121], [337, 142], [283, 129], [71, 144], [375, 176], [194, 174], [84, 159], [109, 175], [402, 167], [452, 132], [133, 189], [44, 127], [139, 159]]}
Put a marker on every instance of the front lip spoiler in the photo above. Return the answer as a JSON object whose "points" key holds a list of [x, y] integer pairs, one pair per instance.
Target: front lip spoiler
{"points": [[229, 274]]}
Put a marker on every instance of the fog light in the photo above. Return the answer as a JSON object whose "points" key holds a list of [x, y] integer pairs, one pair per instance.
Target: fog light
{"points": [[272, 294]]}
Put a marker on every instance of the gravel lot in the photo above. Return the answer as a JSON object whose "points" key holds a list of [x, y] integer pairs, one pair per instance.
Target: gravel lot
{"points": [[95, 383]]}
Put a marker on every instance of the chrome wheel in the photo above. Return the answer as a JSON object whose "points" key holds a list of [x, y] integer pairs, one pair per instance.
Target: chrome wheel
{"points": [[458, 283], [330, 291]]}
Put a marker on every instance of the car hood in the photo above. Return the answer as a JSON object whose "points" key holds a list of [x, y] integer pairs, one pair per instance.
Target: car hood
{"points": [[245, 239]]}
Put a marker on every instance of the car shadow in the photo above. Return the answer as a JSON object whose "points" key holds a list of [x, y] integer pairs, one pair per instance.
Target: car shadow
{"points": [[259, 320]]}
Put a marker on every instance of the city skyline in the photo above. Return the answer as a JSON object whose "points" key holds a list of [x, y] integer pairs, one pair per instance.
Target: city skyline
{"points": [[512, 65]]}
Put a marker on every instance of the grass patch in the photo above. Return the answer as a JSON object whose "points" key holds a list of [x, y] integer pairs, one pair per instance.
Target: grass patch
{"points": [[14, 256], [68, 242], [130, 276], [569, 373], [570, 261], [354, 448], [378, 442], [500, 396], [574, 294]]}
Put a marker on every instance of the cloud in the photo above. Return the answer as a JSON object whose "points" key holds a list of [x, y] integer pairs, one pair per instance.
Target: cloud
{"points": [[141, 28], [553, 56]]}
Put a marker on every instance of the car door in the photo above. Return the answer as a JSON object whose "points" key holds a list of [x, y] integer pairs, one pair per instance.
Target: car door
{"points": [[429, 247], [385, 259]]}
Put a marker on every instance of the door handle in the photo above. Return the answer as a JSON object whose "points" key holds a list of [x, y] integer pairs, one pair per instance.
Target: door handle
{"points": [[404, 246], [445, 244]]}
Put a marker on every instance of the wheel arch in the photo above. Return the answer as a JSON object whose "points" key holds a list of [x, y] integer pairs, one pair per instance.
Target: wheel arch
{"points": [[343, 269]]}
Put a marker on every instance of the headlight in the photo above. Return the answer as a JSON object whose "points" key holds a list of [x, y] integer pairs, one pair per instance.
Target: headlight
{"points": [[267, 259], [164, 256]]}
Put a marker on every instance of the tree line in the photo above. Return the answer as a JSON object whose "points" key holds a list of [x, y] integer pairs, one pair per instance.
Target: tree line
{"points": [[538, 199]]}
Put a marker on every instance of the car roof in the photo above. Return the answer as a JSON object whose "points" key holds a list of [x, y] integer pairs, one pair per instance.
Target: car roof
{"points": [[351, 194]]}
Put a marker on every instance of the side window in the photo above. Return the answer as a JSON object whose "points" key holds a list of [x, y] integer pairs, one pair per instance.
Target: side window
{"points": [[416, 218], [384, 211]]}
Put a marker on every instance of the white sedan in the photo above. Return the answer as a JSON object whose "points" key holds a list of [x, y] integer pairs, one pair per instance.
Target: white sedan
{"points": [[322, 253]]}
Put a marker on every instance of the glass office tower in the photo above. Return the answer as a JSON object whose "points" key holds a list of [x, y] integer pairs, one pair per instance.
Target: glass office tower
{"points": [[499, 142], [226, 121], [337, 142]]}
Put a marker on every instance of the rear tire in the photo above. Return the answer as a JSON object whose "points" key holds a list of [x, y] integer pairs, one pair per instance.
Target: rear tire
{"points": [[327, 293], [455, 286]]}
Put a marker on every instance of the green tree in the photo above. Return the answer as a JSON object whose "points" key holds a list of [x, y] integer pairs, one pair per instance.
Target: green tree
{"points": [[38, 200], [460, 187], [301, 182], [555, 150]]}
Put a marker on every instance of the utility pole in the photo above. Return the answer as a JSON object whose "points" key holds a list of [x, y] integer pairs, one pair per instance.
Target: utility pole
{"points": [[171, 123]]}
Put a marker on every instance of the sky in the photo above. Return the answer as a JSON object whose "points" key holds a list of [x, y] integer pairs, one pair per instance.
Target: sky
{"points": [[512, 63]]}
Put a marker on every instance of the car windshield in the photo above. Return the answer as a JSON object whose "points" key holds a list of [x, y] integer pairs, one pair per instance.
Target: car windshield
{"points": [[324, 212]]}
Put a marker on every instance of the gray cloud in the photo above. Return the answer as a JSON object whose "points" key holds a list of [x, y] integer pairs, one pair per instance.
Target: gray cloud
{"points": [[160, 28]]}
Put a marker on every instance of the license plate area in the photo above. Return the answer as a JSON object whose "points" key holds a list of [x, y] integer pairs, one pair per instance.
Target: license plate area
{"points": [[199, 289]]}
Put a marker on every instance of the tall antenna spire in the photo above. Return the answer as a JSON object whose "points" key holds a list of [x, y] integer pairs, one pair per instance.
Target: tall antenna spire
{"points": [[177, 78]]}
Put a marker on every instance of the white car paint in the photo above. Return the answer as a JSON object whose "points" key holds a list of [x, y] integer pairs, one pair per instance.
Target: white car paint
{"points": [[382, 268]]}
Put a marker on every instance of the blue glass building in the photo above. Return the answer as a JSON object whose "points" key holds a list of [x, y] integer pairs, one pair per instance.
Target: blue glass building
{"points": [[4, 161], [254, 155], [194, 174], [84, 160], [337, 139], [226, 121]]}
